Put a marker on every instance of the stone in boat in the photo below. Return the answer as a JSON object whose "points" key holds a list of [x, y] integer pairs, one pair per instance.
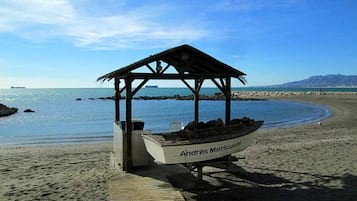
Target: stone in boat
{"points": [[218, 142]]}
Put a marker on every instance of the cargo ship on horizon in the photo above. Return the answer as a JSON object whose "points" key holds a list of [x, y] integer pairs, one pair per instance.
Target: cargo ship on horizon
{"points": [[14, 87], [151, 86]]}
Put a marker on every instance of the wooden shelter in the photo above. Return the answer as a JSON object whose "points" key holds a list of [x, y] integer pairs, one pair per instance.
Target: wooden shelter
{"points": [[184, 63]]}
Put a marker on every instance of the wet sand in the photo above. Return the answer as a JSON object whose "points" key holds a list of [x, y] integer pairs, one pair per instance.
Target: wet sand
{"points": [[308, 162]]}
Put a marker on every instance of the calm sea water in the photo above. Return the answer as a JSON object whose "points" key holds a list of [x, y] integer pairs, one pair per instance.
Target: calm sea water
{"points": [[59, 118]]}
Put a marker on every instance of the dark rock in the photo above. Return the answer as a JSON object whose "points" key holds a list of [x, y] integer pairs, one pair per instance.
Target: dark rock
{"points": [[191, 125], [106, 98], [201, 124], [6, 111], [28, 110], [215, 97], [78, 99]]}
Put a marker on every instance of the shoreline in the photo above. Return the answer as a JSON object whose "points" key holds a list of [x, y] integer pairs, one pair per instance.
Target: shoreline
{"points": [[311, 161], [46, 141], [104, 136]]}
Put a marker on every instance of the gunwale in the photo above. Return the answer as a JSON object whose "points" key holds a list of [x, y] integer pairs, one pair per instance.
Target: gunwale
{"points": [[228, 132]]}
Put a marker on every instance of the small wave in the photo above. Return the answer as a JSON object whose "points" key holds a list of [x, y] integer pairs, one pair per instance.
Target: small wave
{"points": [[322, 114]]}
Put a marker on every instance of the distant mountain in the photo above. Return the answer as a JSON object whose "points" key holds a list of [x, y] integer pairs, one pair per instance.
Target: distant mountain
{"points": [[324, 81]]}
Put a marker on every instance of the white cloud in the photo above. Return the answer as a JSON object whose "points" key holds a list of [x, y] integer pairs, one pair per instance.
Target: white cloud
{"points": [[43, 19]]}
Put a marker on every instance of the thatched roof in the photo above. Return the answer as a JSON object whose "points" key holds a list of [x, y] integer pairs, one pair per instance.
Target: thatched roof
{"points": [[189, 63]]}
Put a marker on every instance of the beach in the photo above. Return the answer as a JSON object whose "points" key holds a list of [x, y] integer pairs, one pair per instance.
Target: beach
{"points": [[317, 161], [60, 172]]}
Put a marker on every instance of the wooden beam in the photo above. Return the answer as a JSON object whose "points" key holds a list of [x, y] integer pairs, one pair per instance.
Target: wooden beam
{"points": [[218, 85], [121, 90], [163, 70], [199, 173], [188, 86], [117, 99], [228, 100], [200, 83], [173, 76], [139, 86], [128, 127], [223, 85], [150, 68], [197, 98]]}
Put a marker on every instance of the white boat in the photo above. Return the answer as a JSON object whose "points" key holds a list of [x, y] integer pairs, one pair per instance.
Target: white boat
{"points": [[220, 142]]}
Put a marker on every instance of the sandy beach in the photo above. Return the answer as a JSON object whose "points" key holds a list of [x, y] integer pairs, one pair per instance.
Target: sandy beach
{"points": [[307, 162], [61, 172]]}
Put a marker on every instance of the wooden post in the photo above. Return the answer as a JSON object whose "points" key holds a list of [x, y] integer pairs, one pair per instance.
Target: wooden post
{"points": [[199, 173], [196, 97], [128, 127], [117, 99], [228, 100]]}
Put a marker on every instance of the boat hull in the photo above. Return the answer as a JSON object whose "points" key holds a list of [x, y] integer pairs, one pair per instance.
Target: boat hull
{"points": [[190, 153]]}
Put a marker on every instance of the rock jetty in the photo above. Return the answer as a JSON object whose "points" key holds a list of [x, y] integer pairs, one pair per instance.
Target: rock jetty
{"points": [[7, 111], [215, 97], [236, 96], [264, 94]]}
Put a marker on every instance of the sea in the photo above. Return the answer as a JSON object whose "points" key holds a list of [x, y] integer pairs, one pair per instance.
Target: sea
{"points": [[60, 118]]}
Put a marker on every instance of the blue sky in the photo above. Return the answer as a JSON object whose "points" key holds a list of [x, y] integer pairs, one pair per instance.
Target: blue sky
{"points": [[60, 43]]}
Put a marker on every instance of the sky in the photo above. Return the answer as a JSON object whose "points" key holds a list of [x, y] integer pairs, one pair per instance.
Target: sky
{"points": [[70, 43]]}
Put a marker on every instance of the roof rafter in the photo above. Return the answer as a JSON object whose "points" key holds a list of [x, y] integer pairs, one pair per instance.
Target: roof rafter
{"points": [[189, 62]]}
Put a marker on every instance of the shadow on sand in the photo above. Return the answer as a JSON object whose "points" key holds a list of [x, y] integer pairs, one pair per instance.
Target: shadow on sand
{"points": [[234, 183], [222, 182]]}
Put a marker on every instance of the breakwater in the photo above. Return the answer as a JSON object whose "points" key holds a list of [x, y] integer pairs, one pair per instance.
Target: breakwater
{"points": [[235, 95], [215, 97], [257, 94]]}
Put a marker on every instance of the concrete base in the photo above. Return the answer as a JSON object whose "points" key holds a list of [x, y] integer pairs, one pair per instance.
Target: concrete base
{"points": [[140, 157]]}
